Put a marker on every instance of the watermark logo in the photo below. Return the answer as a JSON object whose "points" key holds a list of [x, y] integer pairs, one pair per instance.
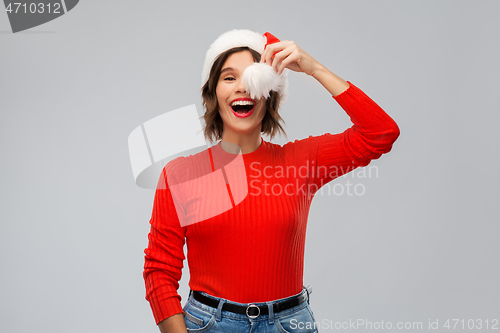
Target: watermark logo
{"points": [[161, 139], [214, 181], [24, 15], [307, 178]]}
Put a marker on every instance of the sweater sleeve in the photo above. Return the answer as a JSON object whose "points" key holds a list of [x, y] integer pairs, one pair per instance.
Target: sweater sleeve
{"points": [[164, 255], [332, 155]]}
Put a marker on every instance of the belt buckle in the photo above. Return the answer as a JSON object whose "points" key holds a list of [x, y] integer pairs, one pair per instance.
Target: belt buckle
{"points": [[252, 306]]}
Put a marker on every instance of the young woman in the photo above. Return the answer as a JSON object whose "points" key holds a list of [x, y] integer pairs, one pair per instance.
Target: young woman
{"points": [[246, 261]]}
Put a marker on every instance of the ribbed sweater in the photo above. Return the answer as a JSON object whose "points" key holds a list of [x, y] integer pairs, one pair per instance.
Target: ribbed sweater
{"points": [[254, 251]]}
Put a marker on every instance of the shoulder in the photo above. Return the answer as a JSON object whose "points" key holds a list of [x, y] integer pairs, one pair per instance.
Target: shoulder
{"points": [[184, 168], [304, 145], [306, 148]]}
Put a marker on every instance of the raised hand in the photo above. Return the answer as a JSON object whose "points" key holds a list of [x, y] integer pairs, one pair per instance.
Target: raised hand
{"points": [[287, 54]]}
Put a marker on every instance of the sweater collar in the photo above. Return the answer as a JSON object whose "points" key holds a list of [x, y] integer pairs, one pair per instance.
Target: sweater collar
{"points": [[220, 154]]}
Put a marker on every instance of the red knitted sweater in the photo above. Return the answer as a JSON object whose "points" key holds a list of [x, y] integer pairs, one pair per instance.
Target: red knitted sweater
{"points": [[254, 252]]}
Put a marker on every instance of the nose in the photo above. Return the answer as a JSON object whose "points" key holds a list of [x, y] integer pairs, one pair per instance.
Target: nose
{"points": [[240, 87]]}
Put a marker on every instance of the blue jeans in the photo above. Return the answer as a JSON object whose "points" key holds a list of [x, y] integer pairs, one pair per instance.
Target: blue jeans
{"points": [[203, 318]]}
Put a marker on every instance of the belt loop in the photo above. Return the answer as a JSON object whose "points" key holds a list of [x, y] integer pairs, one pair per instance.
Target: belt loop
{"points": [[218, 313], [309, 290], [271, 312]]}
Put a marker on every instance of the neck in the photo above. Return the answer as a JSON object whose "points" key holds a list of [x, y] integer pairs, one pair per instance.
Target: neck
{"points": [[248, 143]]}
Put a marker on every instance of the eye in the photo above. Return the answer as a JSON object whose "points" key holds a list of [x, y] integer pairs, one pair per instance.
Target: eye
{"points": [[229, 78]]}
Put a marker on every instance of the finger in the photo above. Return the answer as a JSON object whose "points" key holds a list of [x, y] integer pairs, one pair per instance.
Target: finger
{"points": [[271, 49], [263, 57], [268, 53], [284, 64], [279, 57]]}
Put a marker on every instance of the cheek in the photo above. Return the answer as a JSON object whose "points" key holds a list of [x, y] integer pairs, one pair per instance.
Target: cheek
{"points": [[218, 93], [221, 93], [263, 107]]}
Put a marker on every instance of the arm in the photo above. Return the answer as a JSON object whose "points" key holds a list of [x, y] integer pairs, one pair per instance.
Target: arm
{"points": [[164, 255], [372, 134], [173, 324], [333, 83]]}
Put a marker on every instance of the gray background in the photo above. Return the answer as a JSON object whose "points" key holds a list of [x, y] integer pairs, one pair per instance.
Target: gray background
{"points": [[420, 244]]}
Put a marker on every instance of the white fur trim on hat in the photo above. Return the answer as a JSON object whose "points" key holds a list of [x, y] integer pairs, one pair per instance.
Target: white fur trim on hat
{"points": [[259, 79]]}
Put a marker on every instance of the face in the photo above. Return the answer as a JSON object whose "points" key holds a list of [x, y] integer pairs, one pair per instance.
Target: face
{"points": [[241, 114]]}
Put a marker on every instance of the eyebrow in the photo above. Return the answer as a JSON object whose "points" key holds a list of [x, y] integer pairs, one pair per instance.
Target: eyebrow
{"points": [[227, 69]]}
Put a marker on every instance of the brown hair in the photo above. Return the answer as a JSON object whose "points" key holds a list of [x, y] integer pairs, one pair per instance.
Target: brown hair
{"points": [[213, 121]]}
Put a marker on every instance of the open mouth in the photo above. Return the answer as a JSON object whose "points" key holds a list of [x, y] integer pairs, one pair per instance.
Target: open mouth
{"points": [[242, 108]]}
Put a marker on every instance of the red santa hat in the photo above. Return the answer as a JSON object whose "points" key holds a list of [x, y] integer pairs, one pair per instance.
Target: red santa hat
{"points": [[259, 79]]}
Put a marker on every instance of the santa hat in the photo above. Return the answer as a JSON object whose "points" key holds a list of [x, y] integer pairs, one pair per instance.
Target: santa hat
{"points": [[259, 79]]}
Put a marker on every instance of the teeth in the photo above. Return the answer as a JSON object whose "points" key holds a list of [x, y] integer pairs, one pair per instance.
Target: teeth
{"points": [[242, 103]]}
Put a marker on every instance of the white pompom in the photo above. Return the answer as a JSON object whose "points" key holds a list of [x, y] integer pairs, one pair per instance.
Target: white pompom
{"points": [[260, 79]]}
